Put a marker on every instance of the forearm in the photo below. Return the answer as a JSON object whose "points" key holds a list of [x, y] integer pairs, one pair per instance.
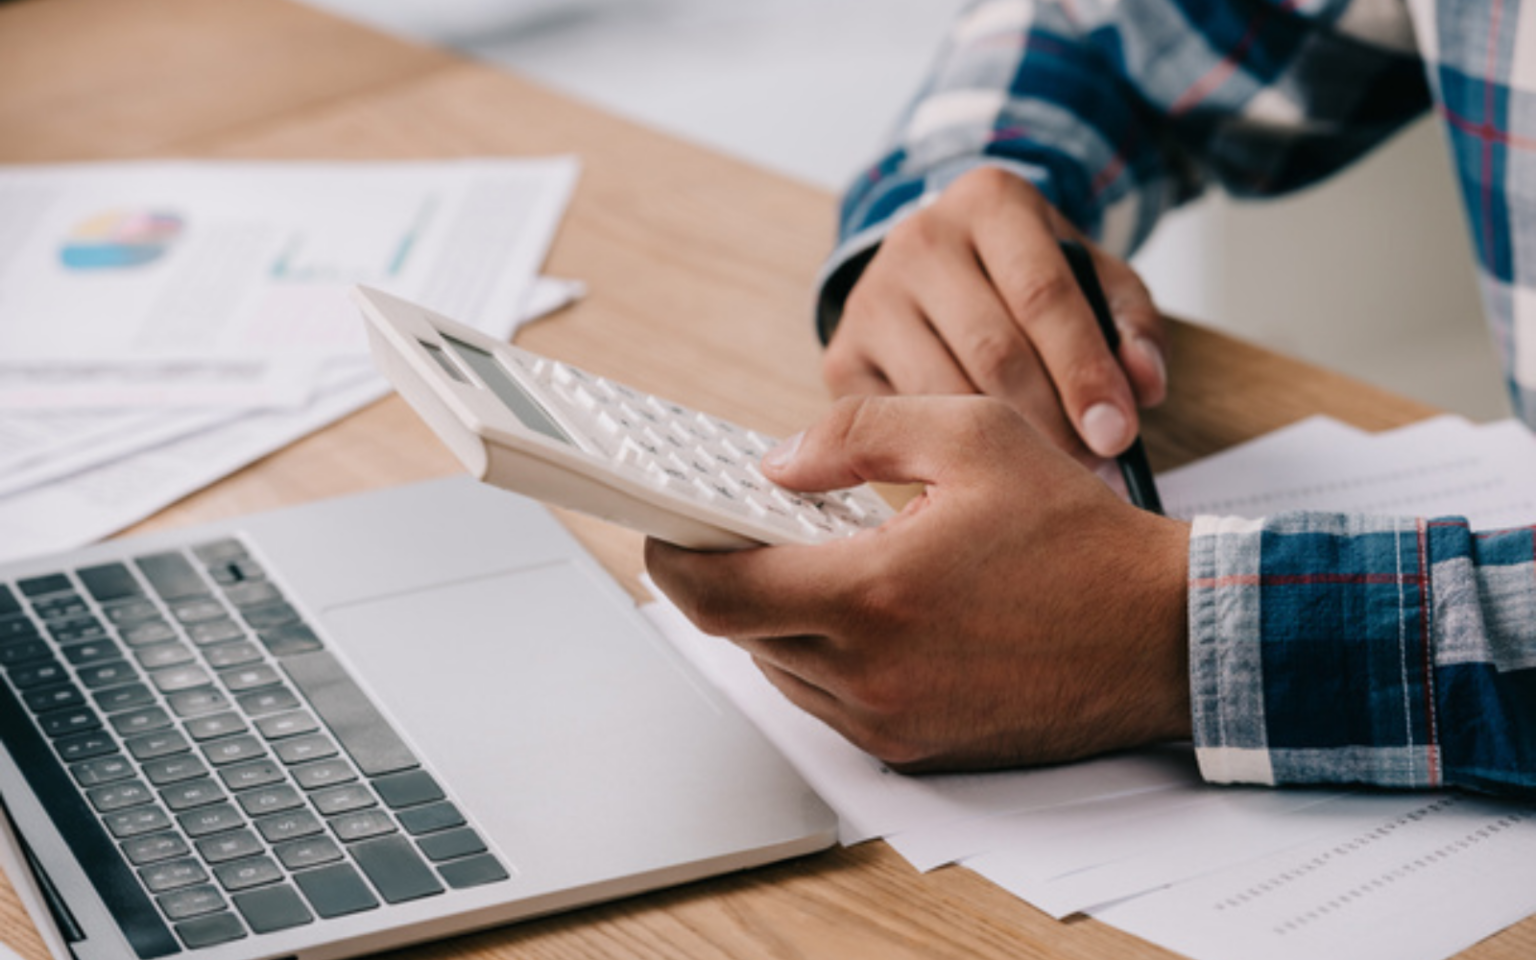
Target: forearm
{"points": [[1342, 649]]}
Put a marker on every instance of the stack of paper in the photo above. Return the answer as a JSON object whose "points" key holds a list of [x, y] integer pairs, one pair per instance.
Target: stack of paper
{"points": [[1138, 840], [162, 324]]}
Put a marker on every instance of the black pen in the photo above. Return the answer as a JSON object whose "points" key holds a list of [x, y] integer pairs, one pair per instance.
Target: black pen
{"points": [[1133, 462]]}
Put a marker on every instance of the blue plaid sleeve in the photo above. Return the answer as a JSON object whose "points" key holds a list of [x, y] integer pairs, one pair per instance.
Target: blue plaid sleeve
{"points": [[1330, 648], [1118, 111]]}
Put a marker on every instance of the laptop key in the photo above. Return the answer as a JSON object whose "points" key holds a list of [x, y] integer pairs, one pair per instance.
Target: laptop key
{"points": [[215, 631], [150, 746], [160, 655], [289, 639], [363, 731], [309, 852], [473, 872], [250, 678], [343, 799], [410, 789], [61, 607], [90, 651], [245, 874], [191, 794], [350, 827], [145, 720], [64, 722], [84, 746], [272, 700], [451, 844], [154, 848], [325, 773], [292, 825], [247, 776], [119, 796], [174, 769], [109, 673], [302, 749], [39, 586], [198, 610], [150, 631], [109, 582], [214, 726], [94, 773], [177, 679], [237, 653], [191, 902], [23, 652], [78, 630], [136, 821], [270, 799], [38, 675], [41, 700], [287, 725], [131, 611], [269, 616], [207, 931], [172, 875], [395, 869], [191, 703], [251, 593], [272, 908], [129, 696], [17, 628], [206, 821], [336, 890], [229, 845], [423, 820], [234, 750], [172, 575]]}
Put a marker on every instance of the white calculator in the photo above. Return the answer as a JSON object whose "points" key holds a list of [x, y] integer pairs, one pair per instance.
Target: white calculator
{"points": [[570, 438]]}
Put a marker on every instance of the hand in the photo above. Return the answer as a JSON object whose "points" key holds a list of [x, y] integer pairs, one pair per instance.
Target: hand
{"points": [[972, 295], [1015, 612]]}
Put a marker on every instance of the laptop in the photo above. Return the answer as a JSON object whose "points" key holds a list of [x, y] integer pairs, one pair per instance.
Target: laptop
{"points": [[357, 724]]}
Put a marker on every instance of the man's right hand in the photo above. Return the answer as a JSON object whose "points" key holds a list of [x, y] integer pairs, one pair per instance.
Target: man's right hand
{"points": [[971, 294]]}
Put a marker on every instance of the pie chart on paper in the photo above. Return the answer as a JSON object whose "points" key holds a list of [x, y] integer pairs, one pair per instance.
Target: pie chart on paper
{"points": [[120, 239]]}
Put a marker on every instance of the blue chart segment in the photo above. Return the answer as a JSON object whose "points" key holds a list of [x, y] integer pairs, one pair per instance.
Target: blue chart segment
{"points": [[120, 239]]}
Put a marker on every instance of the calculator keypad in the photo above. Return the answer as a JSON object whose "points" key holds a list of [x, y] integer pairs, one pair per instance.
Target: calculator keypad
{"points": [[697, 456]]}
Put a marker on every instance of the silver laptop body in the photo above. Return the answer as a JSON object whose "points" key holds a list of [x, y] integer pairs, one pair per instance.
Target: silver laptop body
{"points": [[507, 735]]}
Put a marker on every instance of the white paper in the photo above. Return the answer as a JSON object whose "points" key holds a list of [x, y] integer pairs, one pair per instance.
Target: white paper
{"points": [[1422, 885], [148, 262], [1441, 467], [870, 799], [85, 506]]}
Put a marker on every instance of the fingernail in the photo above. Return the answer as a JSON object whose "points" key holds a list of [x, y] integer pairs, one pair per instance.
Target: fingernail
{"points": [[780, 456], [1154, 356], [1104, 429]]}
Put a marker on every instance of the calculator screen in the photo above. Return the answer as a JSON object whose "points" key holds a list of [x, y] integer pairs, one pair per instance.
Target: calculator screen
{"points": [[495, 376]]}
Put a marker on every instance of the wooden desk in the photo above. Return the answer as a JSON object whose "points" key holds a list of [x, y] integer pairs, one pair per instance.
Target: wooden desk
{"points": [[700, 270]]}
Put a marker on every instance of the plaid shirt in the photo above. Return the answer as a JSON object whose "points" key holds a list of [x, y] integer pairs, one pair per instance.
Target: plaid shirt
{"points": [[1324, 648]]}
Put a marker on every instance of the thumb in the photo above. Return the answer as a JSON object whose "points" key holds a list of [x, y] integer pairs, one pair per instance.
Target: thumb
{"points": [[898, 440]]}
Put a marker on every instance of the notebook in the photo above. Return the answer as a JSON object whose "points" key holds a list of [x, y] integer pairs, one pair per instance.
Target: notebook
{"points": [[352, 725]]}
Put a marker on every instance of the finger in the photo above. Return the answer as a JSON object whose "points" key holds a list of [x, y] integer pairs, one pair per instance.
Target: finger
{"points": [[891, 337], [1143, 331], [1036, 283], [807, 696], [993, 351], [893, 440], [767, 592]]}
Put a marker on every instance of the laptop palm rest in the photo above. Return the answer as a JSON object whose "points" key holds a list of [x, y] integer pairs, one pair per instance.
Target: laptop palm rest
{"points": [[569, 731]]}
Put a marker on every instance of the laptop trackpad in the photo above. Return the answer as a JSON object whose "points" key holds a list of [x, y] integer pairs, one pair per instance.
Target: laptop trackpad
{"points": [[551, 713]]}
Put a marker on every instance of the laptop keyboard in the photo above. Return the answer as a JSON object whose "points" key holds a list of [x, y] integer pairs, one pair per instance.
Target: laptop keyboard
{"points": [[215, 769]]}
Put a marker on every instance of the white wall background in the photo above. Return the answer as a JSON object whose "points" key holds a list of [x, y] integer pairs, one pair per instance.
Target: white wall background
{"points": [[1370, 274]]}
